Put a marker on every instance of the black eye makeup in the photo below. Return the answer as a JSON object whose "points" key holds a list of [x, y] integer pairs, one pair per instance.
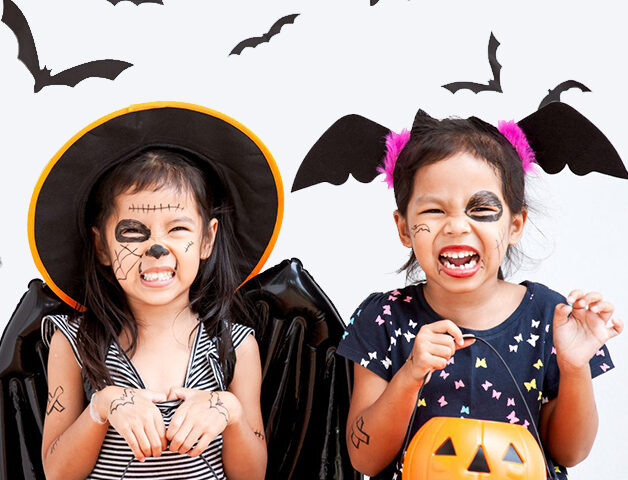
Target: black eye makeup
{"points": [[484, 206], [129, 231]]}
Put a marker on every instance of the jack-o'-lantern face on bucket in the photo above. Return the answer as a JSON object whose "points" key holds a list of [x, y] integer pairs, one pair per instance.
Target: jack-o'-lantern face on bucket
{"points": [[462, 448]]}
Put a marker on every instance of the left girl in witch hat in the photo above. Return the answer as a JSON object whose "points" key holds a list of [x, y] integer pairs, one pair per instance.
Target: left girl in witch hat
{"points": [[146, 222]]}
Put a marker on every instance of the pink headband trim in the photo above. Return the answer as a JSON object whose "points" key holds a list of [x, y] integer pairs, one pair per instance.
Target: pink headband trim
{"points": [[518, 140], [394, 144]]}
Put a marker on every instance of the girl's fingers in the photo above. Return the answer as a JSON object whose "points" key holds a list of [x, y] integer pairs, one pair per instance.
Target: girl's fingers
{"points": [[190, 440], [447, 326], [616, 328], [161, 430], [202, 444], [602, 307], [142, 442], [131, 441], [442, 351], [574, 295], [175, 424], [180, 436], [467, 342], [153, 438]]}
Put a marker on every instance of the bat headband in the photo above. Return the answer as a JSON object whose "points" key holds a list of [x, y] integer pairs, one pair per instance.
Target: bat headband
{"points": [[554, 136], [396, 141], [220, 146]]}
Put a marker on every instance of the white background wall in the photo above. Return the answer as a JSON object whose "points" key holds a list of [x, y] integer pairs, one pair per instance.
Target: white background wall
{"points": [[383, 62]]}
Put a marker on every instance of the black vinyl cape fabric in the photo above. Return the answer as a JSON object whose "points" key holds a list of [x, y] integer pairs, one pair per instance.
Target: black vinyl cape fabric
{"points": [[305, 388]]}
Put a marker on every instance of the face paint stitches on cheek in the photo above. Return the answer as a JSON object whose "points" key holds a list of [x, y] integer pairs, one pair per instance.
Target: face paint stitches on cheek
{"points": [[187, 247], [480, 206]]}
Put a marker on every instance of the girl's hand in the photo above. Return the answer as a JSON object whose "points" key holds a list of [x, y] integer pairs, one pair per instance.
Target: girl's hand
{"points": [[134, 415], [433, 346], [581, 330], [200, 418]]}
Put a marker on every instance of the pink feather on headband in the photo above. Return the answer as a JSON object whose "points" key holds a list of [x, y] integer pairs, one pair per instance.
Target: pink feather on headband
{"points": [[517, 138], [394, 144]]}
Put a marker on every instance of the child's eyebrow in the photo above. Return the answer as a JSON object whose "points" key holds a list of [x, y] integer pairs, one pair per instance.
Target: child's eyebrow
{"points": [[427, 199], [183, 219]]}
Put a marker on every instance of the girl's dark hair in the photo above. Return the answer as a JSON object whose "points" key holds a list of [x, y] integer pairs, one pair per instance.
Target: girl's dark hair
{"points": [[213, 295], [433, 140]]}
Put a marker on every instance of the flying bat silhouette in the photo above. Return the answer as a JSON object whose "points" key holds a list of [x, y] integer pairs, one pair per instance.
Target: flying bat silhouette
{"points": [[374, 2], [136, 2], [559, 135], [13, 17], [554, 94], [493, 85], [274, 30]]}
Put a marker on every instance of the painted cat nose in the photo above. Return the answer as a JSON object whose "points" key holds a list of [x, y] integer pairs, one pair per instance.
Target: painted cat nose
{"points": [[157, 251]]}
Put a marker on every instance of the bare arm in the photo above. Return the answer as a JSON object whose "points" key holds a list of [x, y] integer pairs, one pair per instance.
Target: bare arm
{"points": [[378, 418], [247, 433], [71, 439], [380, 411], [569, 422]]}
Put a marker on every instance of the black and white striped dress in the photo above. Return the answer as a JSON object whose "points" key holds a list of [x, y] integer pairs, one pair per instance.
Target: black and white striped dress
{"points": [[203, 373]]}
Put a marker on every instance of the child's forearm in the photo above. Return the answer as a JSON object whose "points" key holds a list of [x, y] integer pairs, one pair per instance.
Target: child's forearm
{"points": [[376, 434], [244, 451], [572, 423], [73, 454]]}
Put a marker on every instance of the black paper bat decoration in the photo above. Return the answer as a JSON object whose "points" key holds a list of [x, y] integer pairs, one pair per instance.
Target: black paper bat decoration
{"points": [[374, 2], [274, 30], [13, 17], [554, 94], [136, 2], [559, 135], [493, 85]]}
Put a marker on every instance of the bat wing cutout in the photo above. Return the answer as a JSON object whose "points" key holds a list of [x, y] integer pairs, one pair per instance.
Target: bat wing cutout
{"points": [[353, 145], [13, 17], [581, 145], [374, 2], [553, 95], [493, 85], [305, 393], [136, 2], [274, 30]]}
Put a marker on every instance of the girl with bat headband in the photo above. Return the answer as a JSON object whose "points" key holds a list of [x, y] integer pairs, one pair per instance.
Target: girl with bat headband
{"points": [[146, 222], [461, 209]]}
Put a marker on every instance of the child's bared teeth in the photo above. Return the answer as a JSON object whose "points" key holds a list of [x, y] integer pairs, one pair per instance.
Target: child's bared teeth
{"points": [[158, 276], [465, 266]]}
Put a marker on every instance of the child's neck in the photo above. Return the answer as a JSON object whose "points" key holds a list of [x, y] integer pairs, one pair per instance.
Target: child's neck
{"points": [[480, 309], [152, 319]]}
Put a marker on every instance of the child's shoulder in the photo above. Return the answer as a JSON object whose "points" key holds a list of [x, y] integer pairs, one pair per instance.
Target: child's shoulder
{"points": [[543, 297], [399, 298]]}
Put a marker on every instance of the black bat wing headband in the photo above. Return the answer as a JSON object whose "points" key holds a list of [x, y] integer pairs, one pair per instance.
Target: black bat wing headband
{"points": [[556, 135]]}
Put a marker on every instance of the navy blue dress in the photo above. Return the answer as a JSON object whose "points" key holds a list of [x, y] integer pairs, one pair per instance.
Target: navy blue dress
{"points": [[475, 384]]}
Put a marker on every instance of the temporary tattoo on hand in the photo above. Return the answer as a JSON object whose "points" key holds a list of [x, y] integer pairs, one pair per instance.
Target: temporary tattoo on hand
{"points": [[54, 401], [259, 435], [187, 247], [157, 251], [132, 231], [215, 403], [484, 206], [361, 436], [421, 227], [54, 445], [153, 208], [120, 256], [127, 398]]}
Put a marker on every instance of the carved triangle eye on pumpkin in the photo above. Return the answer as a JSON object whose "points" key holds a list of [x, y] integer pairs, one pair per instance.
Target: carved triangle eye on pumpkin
{"points": [[462, 448]]}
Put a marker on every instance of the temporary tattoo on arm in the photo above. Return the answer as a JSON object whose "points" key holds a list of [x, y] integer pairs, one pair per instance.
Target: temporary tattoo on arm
{"points": [[54, 445], [54, 401], [120, 256], [421, 227], [259, 435], [187, 247], [358, 435], [132, 231], [127, 398], [215, 403], [153, 208], [484, 206]]}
